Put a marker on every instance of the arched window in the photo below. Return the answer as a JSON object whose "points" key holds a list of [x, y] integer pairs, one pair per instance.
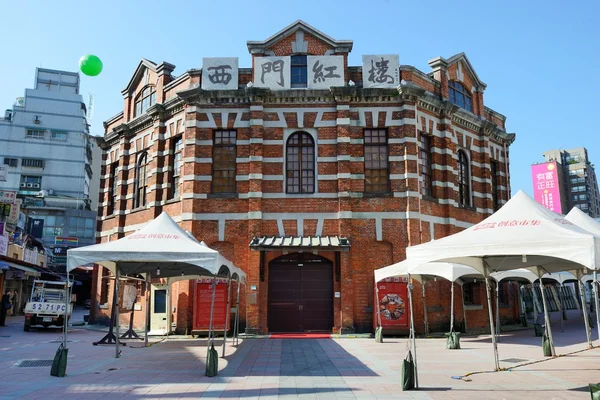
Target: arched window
{"points": [[459, 95], [300, 163], [145, 100], [141, 172], [464, 195]]}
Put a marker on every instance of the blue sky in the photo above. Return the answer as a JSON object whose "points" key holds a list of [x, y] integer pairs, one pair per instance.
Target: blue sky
{"points": [[540, 59]]}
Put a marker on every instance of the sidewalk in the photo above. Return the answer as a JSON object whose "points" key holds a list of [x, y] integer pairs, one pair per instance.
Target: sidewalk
{"points": [[297, 368]]}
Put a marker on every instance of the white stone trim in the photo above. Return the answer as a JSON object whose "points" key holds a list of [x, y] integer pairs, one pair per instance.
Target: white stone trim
{"points": [[206, 178]]}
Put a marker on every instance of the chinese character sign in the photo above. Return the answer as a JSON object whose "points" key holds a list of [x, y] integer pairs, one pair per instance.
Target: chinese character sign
{"points": [[325, 71], [272, 72], [380, 71], [220, 73], [7, 196], [15, 209], [3, 173], [546, 190]]}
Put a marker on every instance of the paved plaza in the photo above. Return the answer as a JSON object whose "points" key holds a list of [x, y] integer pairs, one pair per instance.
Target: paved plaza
{"points": [[262, 368]]}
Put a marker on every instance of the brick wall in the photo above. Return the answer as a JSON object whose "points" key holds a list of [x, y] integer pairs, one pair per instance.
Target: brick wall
{"points": [[379, 226]]}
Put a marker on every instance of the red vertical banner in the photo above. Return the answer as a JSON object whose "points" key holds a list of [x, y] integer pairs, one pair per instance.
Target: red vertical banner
{"points": [[392, 300], [202, 305]]}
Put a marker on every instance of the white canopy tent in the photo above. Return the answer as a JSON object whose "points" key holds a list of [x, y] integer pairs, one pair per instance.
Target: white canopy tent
{"points": [[451, 272], [161, 249], [586, 222], [522, 234]]}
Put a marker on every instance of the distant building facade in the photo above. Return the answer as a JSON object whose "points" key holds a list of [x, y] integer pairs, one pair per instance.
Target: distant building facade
{"points": [[575, 178], [46, 154], [307, 173]]}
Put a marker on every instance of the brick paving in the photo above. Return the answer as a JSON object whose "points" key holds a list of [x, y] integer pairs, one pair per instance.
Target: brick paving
{"points": [[340, 368]]}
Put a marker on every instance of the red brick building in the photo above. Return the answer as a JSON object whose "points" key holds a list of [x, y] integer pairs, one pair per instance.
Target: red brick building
{"points": [[350, 164]]}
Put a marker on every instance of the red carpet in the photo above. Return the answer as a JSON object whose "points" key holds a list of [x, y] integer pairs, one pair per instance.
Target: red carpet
{"points": [[300, 336]]}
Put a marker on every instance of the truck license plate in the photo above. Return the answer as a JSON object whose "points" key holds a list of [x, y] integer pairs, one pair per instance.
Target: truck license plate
{"points": [[47, 319]]}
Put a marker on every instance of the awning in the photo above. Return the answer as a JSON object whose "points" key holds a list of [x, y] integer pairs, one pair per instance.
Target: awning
{"points": [[27, 270], [4, 266], [296, 243]]}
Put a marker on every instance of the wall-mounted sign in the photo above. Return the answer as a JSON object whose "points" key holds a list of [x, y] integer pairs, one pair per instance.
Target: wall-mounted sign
{"points": [[30, 256], [3, 245], [381, 71], [272, 72], [15, 209], [8, 196], [14, 274], [3, 173], [64, 240], [325, 71], [220, 73], [36, 228]]}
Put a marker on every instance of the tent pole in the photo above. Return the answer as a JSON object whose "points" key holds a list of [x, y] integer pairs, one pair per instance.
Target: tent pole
{"points": [[585, 314], [595, 283], [66, 317], [462, 291], [522, 308], [546, 315], [412, 330], [560, 308], [236, 322], [116, 305], [379, 326], [212, 309], [535, 303], [147, 313], [226, 317], [491, 315], [497, 311], [168, 306], [452, 306], [425, 307]]}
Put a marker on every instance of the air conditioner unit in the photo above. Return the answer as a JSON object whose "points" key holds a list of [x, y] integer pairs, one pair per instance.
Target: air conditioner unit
{"points": [[36, 185], [23, 184], [30, 185]]}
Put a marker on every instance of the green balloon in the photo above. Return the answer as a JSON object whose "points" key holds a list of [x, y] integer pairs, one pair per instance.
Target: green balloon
{"points": [[90, 65]]}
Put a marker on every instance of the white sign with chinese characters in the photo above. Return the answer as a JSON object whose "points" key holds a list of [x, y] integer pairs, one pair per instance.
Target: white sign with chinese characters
{"points": [[30, 256], [272, 72], [7, 196], [15, 209], [381, 71], [325, 71], [3, 245], [220, 73]]}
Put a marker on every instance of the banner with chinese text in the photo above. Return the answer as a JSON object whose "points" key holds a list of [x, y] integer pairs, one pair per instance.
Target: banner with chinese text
{"points": [[546, 190]]}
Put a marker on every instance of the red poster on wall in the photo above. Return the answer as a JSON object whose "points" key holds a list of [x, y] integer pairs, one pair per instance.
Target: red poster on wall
{"points": [[393, 303], [202, 305]]}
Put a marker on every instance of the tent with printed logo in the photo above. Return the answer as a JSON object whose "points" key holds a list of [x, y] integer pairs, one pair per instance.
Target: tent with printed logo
{"points": [[161, 249], [522, 234]]}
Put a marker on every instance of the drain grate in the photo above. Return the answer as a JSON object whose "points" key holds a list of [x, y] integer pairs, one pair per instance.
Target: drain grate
{"points": [[513, 360], [33, 363]]}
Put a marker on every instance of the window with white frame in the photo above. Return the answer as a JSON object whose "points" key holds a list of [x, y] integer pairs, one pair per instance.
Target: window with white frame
{"points": [[57, 135], [35, 134]]}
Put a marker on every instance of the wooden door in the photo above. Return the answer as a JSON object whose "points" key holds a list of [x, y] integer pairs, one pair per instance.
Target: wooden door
{"points": [[300, 294]]}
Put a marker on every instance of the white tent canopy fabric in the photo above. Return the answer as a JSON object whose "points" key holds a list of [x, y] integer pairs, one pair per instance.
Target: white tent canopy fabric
{"points": [[586, 222], [515, 275], [521, 234], [161, 248], [560, 277]]}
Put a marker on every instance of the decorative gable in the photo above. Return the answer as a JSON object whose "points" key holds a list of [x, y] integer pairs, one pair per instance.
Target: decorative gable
{"points": [[460, 69], [142, 72], [299, 38]]}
